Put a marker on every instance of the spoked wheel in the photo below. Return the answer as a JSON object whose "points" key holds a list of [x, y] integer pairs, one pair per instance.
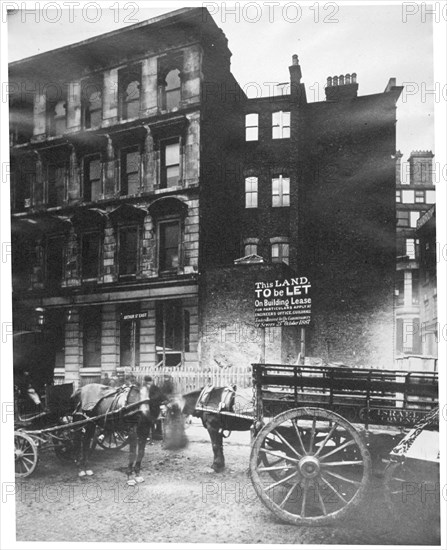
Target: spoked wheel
{"points": [[25, 453], [317, 469], [112, 439]]}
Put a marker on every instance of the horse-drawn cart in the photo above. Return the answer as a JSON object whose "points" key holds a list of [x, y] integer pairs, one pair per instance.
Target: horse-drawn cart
{"points": [[317, 429]]}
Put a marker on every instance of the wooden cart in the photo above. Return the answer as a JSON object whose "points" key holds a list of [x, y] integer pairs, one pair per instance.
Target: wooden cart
{"points": [[310, 461]]}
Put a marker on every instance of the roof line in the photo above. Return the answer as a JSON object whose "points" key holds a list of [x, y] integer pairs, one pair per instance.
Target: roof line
{"points": [[160, 18]]}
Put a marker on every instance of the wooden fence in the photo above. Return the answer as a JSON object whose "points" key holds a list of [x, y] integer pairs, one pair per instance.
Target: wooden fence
{"points": [[185, 381]]}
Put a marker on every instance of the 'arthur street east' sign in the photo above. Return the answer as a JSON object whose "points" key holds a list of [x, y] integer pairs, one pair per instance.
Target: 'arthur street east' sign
{"points": [[283, 303]]}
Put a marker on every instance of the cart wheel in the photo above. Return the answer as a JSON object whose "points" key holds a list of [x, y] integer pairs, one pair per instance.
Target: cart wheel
{"points": [[65, 450], [25, 453], [112, 439], [315, 479]]}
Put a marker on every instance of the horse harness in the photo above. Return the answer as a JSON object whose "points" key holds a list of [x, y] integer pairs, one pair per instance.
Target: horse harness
{"points": [[216, 400]]}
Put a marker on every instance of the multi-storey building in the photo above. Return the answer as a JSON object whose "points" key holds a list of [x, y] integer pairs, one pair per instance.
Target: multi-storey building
{"points": [[415, 194], [141, 172], [109, 138]]}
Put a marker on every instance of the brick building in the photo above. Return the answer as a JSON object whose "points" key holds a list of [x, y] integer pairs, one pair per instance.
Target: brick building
{"points": [[141, 172], [415, 195]]}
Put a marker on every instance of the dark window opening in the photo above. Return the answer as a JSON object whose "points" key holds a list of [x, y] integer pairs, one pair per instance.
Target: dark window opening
{"points": [[92, 179], [172, 328], [56, 184], [129, 337], [92, 104], [128, 251], [130, 171], [91, 337], [55, 261], [169, 245], [90, 255]]}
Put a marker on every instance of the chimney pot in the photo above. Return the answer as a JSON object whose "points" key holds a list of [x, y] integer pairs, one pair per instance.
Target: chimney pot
{"points": [[329, 81], [354, 78], [335, 80], [347, 78], [341, 80], [294, 59]]}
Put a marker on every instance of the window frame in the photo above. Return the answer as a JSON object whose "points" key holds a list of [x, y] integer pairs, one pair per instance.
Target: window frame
{"points": [[418, 195], [282, 247], [251, 192], [83, 235], [164, 69], [64, 167], [164, 167], [86, 110], [254, 127], [281, 195], [124, 175], [92, 315], [121, 228], [125, 77], [164, 222], [282, 126], [87, 160]]}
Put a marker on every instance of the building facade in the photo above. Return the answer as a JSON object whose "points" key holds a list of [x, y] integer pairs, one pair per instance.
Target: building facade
{"points": [[108, 140], [415, 195], [140, 172]]}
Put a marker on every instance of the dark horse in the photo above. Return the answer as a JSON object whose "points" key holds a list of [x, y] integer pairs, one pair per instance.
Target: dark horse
{"points": [[133, 409], [220, 409]]}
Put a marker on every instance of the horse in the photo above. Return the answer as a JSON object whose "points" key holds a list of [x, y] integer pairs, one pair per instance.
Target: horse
{"points": [[217, 401], [131, 408]]}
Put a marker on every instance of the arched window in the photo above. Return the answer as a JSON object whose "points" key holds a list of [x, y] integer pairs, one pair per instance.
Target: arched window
{"points": [[170, 90], [92, 104], [56, 118], [129, 86]]}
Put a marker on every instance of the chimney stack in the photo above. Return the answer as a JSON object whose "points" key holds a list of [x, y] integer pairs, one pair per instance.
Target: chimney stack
{"points": [[295, 76], [341, 87]]}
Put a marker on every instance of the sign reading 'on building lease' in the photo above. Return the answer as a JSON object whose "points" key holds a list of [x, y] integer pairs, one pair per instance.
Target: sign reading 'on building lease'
{"points": [[283, 302]]}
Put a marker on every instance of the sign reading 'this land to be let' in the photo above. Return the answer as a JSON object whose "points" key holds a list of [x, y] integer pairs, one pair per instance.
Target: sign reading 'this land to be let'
{"points": [[283, 302]]}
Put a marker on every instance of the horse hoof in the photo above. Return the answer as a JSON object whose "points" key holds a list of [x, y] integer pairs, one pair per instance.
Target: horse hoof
{"points": [[88, 472], [139, 479], [82, 473], [131, 482]]}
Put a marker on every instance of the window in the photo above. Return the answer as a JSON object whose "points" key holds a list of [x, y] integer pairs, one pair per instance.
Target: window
{"points": [[56, 184], [128, 251], [172, 327], [130, 171], [92, 103], [54, 261], [130, 336], [419, 196], [251, 192], [410, 248], [250, 249], [407, 196], [280, 253], [398, 195], [280, 125], [403, 218], [92, 179], [169, 245], [170, 163], [251, 127], [90, 253], [129, 83], [414, 216], [56, 118], [280, 191], [170, 92], [430, 197], [91, 337]]}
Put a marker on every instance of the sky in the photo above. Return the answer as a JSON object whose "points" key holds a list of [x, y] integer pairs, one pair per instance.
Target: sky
{"points": [[377, 42]]}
